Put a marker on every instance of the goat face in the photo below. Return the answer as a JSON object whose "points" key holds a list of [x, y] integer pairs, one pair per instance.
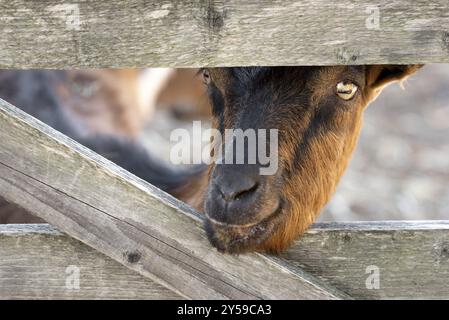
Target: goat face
{"points": [[317, 112]]}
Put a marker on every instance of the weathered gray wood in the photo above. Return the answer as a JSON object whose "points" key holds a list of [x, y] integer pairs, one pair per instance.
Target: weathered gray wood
{"points": [[38, 262], [137, 33], [131, 221], [412, 257]]}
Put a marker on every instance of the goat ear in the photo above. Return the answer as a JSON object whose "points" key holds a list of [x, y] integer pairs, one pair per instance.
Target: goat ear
{"points": [[378, 76]]}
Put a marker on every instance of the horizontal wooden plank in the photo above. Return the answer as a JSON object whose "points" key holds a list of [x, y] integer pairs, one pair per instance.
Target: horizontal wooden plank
{"points": [[39, 262], [131, 221], [411, 258], [138, 33]]}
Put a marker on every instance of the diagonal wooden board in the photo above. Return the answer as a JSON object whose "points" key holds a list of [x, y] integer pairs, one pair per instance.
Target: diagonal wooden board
{"points": [[131, 221], [368, 260], [40, 262]]}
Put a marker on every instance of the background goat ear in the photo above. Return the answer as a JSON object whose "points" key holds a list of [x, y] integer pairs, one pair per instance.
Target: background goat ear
{"points": [[380, 75]]}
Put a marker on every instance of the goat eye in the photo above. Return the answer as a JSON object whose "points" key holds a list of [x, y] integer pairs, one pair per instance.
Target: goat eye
{"points": [[346, 90], [85, 88], [206, 76]]}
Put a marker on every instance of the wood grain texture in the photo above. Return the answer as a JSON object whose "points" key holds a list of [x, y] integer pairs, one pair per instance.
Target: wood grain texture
{"points": [[37, 260], [131, 221], [412, 258], [138, 33]]}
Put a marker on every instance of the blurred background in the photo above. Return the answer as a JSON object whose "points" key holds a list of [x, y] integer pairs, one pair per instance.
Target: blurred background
{"points": [[400, 169]]}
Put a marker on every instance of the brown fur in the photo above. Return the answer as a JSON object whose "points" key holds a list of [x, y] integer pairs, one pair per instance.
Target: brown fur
{"points": [[317, 135], [185, 95], [326, 154], [106, 100]]}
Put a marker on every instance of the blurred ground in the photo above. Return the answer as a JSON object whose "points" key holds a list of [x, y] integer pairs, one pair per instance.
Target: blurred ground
{"points": [[400, 169]]}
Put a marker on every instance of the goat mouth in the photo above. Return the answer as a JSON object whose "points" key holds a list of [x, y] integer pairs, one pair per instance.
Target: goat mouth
{"points": [[235, 239]]}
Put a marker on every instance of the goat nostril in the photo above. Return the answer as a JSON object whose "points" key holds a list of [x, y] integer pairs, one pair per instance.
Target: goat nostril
{"points": [[242, 193], [231, 195]]}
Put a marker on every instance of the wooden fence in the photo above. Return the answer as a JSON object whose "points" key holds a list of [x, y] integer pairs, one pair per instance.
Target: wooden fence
{"points": [[133, 240]]}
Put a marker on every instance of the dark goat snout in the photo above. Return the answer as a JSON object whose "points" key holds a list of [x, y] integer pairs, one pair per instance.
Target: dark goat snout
{"points": [[235, 184], [235, 195]]}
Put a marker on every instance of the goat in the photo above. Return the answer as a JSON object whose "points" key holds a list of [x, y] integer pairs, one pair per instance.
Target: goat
{"points": [[318, 114]]}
